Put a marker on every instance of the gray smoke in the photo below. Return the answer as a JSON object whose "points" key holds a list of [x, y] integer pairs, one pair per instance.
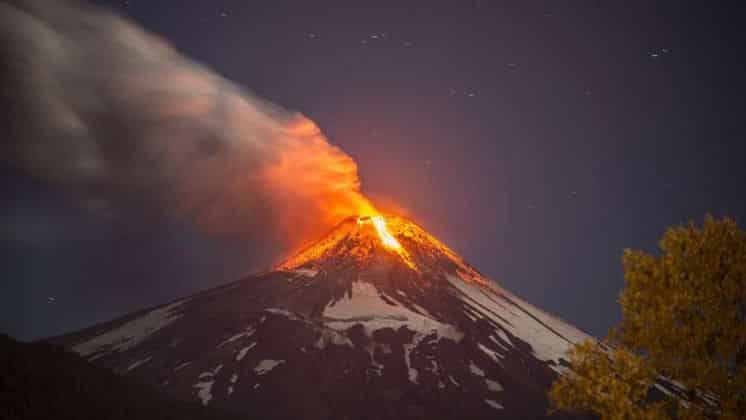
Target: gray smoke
{"points": [[117, 117]]}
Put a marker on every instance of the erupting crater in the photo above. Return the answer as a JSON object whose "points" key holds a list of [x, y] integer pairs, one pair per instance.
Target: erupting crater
{"points": [[383, 320], [360, 238]]}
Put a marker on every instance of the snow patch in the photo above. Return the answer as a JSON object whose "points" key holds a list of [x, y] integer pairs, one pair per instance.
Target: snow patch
{"points": [[265, 366], [204, 391], [494, 404], [204, 388], [475, 369], [549, 337], [283, 312], [492, 354], [453, 381], [433, 366], [244, 334], [411, 372], [234, 379], [493, 385], [332, 337], [421, 310], [375, 366], [305, 272], [366, 307], [211, 373], [503, 336], [182, 366], [131, 333], [242, 353], [138, 363], [470, 316]]}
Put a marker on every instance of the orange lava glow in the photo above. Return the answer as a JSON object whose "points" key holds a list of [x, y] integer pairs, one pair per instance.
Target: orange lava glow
{"points": [[387, 239], [358, 239], [315, 184], [325, 181]]}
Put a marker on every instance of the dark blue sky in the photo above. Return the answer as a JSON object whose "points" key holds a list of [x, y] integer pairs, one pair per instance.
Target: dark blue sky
{"points": [[538, 139]]}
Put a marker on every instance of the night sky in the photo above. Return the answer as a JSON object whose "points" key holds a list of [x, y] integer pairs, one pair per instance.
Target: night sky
{"points": [[537, 139]]}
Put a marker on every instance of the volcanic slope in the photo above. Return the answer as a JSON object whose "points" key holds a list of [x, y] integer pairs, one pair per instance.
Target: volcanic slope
{"points": [[377, 320]]}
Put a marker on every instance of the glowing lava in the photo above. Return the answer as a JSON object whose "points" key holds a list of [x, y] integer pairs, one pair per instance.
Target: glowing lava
{"points": [[387, 238], [361, 238]]}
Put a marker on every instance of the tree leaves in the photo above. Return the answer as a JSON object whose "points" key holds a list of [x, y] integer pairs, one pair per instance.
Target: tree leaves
{"points": [[684, 318]]}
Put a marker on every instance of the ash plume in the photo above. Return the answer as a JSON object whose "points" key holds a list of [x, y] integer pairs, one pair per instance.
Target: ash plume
{"points": [[117, 117]]}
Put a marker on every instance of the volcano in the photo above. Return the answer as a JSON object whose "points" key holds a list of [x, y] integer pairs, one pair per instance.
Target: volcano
{"points": [[377, 320]]}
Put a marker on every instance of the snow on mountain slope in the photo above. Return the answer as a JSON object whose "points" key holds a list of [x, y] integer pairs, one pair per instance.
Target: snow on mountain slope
{"points": [[130, 334], [351, 327], [549, 337], [365, 306]]}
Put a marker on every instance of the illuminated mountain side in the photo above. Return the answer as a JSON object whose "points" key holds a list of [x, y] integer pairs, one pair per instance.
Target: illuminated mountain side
{"points": [[359, 239], [383, 320]]}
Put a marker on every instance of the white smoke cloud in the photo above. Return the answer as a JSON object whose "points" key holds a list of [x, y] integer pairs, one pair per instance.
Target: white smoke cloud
{"points": [[100, 107]]}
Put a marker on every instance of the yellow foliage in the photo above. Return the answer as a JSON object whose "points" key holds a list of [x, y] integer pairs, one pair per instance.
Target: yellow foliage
{"points": [[684, 318]]}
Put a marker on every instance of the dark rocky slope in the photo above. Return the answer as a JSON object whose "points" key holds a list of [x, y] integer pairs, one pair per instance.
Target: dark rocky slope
{"points": [[353, 327], [43, 381]]}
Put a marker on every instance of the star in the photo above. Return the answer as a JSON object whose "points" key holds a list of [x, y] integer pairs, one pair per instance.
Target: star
{"points": [[658, 53]]}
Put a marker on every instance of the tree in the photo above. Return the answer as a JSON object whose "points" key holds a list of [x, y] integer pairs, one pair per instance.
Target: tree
{"points": [[683, 325]]}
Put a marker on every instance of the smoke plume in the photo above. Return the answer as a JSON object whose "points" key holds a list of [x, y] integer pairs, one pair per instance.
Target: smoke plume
{"points": [[117, 117]]}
